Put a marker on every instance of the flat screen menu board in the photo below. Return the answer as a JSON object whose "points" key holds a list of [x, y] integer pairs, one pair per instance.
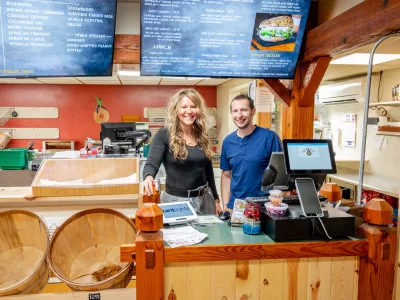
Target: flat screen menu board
{"points": [[222, 38], [56, 37]]}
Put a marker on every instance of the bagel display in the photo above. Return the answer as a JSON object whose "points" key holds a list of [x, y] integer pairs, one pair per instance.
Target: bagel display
{"points": [[276, 29]]}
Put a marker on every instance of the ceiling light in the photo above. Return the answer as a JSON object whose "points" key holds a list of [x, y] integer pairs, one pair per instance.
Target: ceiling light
{"points": [[363, 59], [128, 73]]}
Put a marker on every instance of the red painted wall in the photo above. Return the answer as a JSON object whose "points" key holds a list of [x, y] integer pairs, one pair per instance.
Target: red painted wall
{"points": [[76, 106]]}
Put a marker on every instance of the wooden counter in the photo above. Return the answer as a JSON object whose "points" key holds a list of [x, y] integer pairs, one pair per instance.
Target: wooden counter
{"points": [[232, 265]]}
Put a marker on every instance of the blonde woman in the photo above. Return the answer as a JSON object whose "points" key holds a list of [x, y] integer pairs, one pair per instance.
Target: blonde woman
{"points": [[184, 149]]}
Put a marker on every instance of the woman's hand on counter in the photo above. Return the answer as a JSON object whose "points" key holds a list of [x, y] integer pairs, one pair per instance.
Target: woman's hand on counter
{"points": [[217, 206], [148, 185]]}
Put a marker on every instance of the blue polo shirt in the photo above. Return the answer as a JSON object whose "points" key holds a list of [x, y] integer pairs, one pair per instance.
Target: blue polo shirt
{"points": [[247, 158]]}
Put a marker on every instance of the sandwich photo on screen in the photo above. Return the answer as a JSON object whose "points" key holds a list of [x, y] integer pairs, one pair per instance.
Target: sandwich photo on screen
{"points": [[275, 32]]}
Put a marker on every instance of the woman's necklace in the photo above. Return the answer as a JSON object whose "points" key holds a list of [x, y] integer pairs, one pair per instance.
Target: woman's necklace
{"points": [[191, 142]]}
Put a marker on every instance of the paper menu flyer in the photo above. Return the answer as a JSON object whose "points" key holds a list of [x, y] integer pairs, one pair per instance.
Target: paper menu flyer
{"points": [[182, 236]]}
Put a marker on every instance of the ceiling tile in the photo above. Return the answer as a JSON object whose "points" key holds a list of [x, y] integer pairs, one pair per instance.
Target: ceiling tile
{"points": [[59, 80], [102, 82], [19, 81], [98, 78], [213, 81], [142, 82], [179, 82]]}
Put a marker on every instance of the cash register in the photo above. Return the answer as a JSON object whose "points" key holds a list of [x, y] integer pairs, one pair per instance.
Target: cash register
{"points": [[122, 137], [303, 165]]}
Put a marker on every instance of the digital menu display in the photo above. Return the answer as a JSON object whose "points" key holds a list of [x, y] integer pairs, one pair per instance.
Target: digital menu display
{"points": [[56, 37], [222, 38]]}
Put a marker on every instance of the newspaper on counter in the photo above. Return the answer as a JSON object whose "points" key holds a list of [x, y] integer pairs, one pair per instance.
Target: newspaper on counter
{"points": [[182, 236]]}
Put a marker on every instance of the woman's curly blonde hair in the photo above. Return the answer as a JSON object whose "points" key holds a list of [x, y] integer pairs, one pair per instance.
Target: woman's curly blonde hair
{"points": [[177, 143]]}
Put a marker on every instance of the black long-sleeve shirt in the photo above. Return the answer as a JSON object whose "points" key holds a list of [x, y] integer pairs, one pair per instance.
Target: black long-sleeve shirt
{"points": [[196, 170]]}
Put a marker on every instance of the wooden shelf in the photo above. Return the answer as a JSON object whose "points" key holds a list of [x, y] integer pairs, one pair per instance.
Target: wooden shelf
{"points": [[391, 103], [388, 133], [376, 183]]}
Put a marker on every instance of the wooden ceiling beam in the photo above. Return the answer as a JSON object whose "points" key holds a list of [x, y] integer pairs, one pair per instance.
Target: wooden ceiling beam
{"points": [[127, 49], [361, 25], [312, 79], [278, 89]]}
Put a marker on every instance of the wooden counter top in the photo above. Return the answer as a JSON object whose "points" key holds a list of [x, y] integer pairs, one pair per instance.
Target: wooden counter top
{"points": [[376, 183], [230, 243], [15, 197]]}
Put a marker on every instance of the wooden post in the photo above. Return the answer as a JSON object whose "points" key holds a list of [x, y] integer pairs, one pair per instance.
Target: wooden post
{"points": [[148, 253], [377, 269]]}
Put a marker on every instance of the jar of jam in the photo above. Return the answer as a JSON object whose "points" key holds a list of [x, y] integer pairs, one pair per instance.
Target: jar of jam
{"points": [[155, 197], [252, 218]]}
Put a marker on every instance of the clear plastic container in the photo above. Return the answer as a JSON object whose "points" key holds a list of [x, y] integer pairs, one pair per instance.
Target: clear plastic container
{"points": [[276, 210]]}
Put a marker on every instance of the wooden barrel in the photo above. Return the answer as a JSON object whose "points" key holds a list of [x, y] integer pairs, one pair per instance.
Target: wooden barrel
{"points": [[23, 253], [85, 250]]}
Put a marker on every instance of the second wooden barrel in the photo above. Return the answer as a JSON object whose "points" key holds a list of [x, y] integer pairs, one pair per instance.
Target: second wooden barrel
{"points": [[85, 250]]}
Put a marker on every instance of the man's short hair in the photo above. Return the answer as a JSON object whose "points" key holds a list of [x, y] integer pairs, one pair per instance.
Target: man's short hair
{"points": [[243, 97]]}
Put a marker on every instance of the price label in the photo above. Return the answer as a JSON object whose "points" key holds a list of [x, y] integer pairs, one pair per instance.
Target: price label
{"points": [[94, 296]]}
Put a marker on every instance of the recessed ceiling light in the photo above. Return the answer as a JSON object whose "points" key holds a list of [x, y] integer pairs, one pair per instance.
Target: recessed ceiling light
{"points": [[363, 59]]}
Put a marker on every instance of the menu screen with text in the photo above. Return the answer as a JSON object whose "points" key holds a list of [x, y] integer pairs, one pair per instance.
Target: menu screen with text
{"points": [[56, 37], [222, 38]]}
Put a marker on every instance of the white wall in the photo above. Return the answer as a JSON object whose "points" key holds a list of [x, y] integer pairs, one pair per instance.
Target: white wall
{"points": [[128, 18], [223, 102], [328, 9], [386, 161]]}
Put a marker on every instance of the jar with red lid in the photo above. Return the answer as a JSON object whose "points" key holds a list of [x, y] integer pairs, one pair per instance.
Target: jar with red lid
{"points": [[252, 219]]}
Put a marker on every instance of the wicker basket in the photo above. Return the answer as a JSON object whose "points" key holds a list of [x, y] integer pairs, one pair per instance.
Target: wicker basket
{"points": [[23, 252], [89, 242]]}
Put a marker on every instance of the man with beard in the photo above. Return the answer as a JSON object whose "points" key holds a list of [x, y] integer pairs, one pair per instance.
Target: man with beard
{"points": [[245, 154]]}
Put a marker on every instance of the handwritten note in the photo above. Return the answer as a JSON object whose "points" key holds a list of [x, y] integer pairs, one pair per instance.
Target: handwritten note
{"points": [[182, 236]]}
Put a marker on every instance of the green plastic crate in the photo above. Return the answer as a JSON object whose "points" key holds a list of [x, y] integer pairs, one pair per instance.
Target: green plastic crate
{"points": [[13, 159]]}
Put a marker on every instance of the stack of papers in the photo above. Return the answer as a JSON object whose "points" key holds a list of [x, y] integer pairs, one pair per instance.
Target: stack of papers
{"points": [[182, 236], [206, 221]]}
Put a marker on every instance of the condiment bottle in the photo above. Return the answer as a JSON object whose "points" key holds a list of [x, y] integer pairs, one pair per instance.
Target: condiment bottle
{"points": [[155, 197], [252, 219]]}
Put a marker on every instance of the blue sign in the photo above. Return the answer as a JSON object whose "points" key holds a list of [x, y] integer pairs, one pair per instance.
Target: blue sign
{"points": [[56, 38], [222, 38]]}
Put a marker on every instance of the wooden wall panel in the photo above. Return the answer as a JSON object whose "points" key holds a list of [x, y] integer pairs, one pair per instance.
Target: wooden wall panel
{"points": [[248, 279], [319, 278], [295, 278], [199, 281], [175, 278], [343, 281], [275, 279], [223, 279], [272, 274]]}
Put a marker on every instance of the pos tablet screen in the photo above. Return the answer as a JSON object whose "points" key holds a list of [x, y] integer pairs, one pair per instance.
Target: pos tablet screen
{"points": [[308, 157], [178, 212]]}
